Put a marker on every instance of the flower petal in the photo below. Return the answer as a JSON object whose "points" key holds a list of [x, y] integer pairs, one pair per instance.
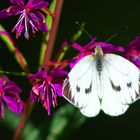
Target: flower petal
{"points": [[58, 88], [39, 21], [58, 75], [37, 14], [137, 63], [133, 56], [135, 44], [107, 48], [11, 11], [37, 76], [56, 72], [2, 81], [42, 26], [11, 88], [18, 29], [37, 4], [33, 96], [13, 104], [35, 89], [77, 46], [17, 2]]}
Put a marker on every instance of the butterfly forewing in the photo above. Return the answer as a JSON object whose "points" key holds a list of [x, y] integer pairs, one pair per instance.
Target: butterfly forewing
{"points": [[79, 87]]}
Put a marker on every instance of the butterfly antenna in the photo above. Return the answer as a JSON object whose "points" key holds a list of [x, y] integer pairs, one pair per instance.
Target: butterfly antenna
{"points": [[114, 35], [111, 37], [84, 30]]}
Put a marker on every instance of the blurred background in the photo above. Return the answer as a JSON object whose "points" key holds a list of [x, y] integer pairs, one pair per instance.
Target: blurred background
{"points": [[102, 19]]}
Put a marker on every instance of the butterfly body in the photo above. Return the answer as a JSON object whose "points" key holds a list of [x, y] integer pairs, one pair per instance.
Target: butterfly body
{"points": [[105, 82]]}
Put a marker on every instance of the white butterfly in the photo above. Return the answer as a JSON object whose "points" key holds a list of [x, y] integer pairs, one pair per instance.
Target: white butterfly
{"points": [[105, 82]]}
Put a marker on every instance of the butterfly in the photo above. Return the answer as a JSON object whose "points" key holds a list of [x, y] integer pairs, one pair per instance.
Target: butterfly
{"points": [[99, 81]]}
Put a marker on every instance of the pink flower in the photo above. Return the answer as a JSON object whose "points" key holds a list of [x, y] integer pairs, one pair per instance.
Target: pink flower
{"points": [[31, 16], [89, 49], [133, 51], [47, 87], [9, 94]]}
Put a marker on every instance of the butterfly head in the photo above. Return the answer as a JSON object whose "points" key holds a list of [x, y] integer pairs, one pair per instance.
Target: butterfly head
{"points": [[98, 51]]}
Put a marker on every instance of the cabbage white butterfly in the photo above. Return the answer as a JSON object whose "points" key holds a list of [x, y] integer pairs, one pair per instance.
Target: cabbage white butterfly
{"points": [[105, 82]]}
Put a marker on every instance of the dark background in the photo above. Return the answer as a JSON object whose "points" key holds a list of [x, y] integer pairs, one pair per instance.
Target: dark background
{"points": [[103, 19]]}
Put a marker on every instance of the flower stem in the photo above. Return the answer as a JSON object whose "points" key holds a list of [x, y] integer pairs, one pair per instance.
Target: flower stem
{"points": [[24, 118], [13, 73], [5, 36], [46, 35], [53, 33]]}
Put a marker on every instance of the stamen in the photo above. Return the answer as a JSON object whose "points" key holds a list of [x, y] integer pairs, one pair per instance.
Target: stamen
{"points": [[26, 34], [20, 20], [33, 26]]}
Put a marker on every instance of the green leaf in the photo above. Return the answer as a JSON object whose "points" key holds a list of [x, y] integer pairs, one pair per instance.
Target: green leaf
{"points": [[30, 132], [12, 120], [64, 122]]}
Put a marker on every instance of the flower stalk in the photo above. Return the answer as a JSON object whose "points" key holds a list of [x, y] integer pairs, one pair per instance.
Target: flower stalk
{"points": [[24, 118], [12, 73], [5, 36], [53, 33]]}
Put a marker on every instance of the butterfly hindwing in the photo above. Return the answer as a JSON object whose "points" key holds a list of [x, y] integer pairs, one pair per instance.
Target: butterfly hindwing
{"points": [[110, 103], [79, 87]]}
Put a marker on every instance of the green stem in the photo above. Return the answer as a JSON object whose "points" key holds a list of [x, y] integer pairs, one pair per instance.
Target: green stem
{"points": [[5, 36], [65, 46], [46, 35], [13, 73], [53, 33]]}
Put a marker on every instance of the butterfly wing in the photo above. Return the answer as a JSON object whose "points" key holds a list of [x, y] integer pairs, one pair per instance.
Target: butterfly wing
{"points": [[79, 88], [122, 85]]}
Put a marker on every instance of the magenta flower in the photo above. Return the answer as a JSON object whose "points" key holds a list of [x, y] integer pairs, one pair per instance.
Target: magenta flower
{"points": [[31, 16], [89, 49], [135, 44], [133, 52], [9, 94], [47, 87]]}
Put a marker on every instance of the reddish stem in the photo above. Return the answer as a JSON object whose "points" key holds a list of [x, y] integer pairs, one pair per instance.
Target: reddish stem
{"points": [[26, 114], [53, 33]]}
